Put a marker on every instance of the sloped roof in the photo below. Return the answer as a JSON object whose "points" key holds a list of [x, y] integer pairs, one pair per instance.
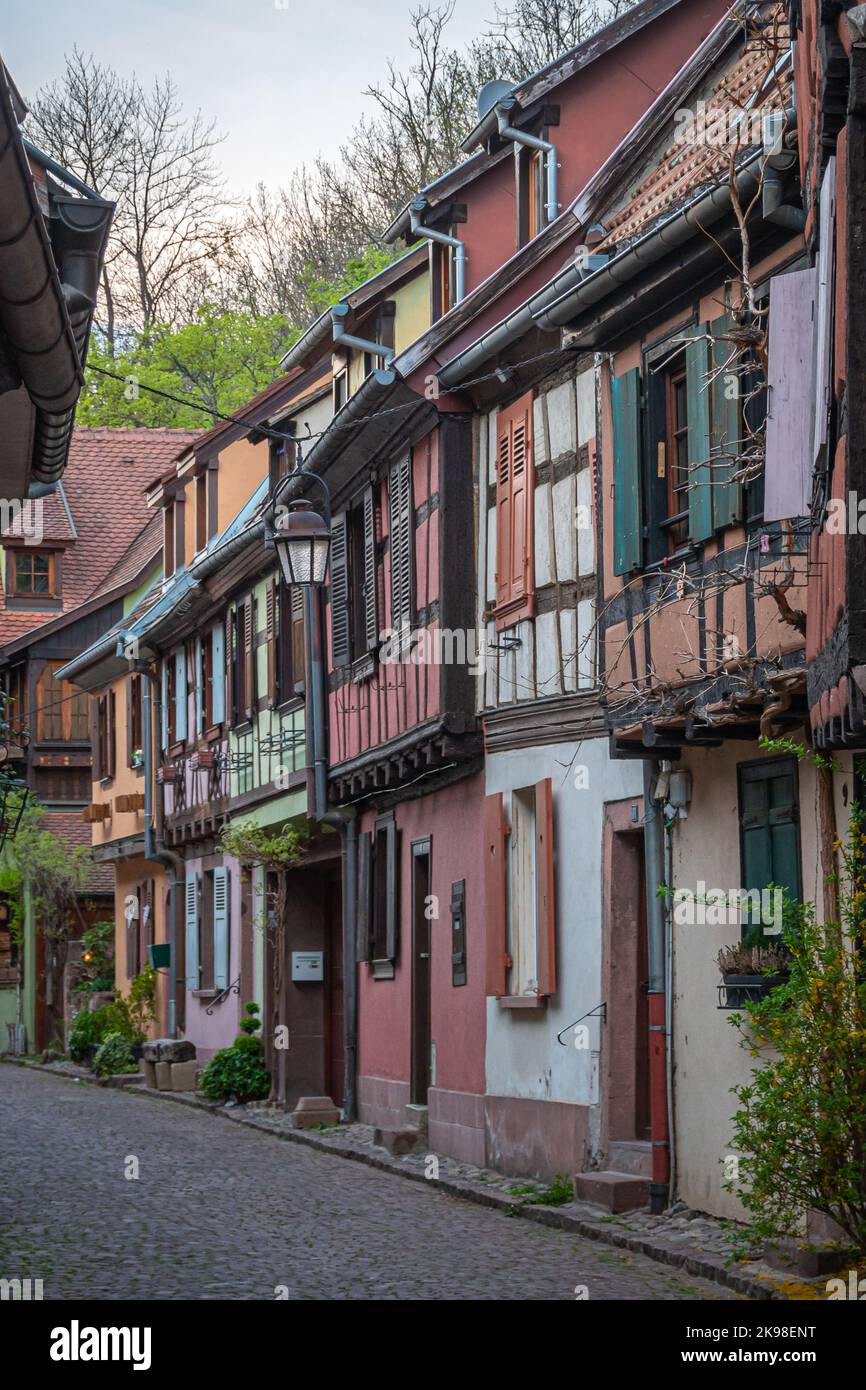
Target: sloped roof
{"points": [[683, 168], [71, 826], [98, 518]]}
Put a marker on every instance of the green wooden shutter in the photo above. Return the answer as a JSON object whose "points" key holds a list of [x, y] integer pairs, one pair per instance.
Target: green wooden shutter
{"points": [[698, 401], [727, 495], [627, 523], [221, 928], [191, 919], [339, 592], [770, 827]]}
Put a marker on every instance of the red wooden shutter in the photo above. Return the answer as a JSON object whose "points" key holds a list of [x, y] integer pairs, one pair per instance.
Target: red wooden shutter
{"points": [[298, 644], [545, 889], [514, 511], [495, 848]]}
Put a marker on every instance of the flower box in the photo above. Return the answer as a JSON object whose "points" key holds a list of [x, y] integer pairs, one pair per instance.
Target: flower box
{"points": [[204, 757], [166, 774], [748, 989]]}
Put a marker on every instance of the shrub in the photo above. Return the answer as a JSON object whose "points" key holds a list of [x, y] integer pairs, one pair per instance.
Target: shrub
{"points": [[801, 1127], [114, 1056], [236, 1073], [132, 1014], [88, 1027]]}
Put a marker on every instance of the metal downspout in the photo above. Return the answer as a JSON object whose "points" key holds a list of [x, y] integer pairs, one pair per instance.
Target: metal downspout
{"points": [[416, 211], [154, 849], [533, 142], [654, 860], [338, 313], [347, 825]]}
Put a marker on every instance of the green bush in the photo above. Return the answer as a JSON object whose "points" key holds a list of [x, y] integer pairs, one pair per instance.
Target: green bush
{"points": [[246, 1043], [88, 1027], [236, 1073], [114, 1056]]}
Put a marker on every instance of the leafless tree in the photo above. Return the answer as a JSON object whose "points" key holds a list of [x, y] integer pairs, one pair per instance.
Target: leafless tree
{"points": [[137, 147], [530, 34]]}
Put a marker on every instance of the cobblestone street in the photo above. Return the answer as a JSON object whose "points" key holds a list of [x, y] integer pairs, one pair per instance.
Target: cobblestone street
{"points": [[222, 1212]]}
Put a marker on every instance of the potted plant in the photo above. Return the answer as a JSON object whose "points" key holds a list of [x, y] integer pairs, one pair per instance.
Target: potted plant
{"points": [[750, 969], [137, 759]]}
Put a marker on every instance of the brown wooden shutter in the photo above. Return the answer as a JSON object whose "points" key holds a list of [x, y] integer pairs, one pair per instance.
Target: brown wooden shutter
{"points": [[94, 737], [364, 914], [111, 735], [130, 695], [392, 892], [299, 648], [249, 610], [495, 850], [503, 510], [271, 635], [341, 653], [371, 617], [401, 542], [545, 889]]}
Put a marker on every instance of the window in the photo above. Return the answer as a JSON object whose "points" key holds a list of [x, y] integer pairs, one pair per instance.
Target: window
{"points": [[341, 389], [32, 574], [242, 663], [535, 199], [444, 275], [769, 827], [282, 454], [673, 457], [353, 586], [515, 475], [676, 441], [379, 897], [61, 710], [210, 679], [104, 740], [174, 697], [520, 889], [207, 908], [285, 636]]}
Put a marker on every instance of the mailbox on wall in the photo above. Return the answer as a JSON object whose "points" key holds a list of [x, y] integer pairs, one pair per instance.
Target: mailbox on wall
{"points": [[308, 965]]}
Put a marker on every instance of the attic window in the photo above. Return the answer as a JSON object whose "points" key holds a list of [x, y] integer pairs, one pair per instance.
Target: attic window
{"points": [[32, 574], [444, 275]]}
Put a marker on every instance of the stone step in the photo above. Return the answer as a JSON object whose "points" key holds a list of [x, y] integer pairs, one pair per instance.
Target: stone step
{"points": [[397, 1141], [416, 1118], [615, 1192], [633, 1156]]}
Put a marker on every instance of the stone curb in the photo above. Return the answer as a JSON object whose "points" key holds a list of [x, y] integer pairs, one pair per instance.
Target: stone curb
{"points": [[695, 1263]]}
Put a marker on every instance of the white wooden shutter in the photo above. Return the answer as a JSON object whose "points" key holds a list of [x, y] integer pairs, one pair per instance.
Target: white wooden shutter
{"points": [[221, 928], [191, 917], [180, 695], [218, 673]]}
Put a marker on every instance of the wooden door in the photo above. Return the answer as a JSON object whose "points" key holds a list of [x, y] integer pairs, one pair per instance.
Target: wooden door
{"points": [[421, 948]]}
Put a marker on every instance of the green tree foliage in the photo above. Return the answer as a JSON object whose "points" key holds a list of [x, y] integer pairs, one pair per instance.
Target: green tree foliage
{"points": [[219, 360]]}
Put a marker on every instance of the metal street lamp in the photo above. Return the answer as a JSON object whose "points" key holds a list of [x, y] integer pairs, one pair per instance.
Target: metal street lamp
{"points": [[302, 539]]}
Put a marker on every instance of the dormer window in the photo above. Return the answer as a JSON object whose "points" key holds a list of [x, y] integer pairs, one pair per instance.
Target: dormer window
{"points": [[32, 578], [33, 574], [341, 389], [205, 506]]}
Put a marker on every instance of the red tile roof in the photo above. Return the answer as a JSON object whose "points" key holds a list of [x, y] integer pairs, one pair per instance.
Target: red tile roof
{"points": [[104, 491], [685, 168], [70, 826]]}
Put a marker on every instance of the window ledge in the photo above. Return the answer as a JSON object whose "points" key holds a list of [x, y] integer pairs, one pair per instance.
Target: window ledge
{"points": [[362, 670], [383, 969], [538, 1002], [205, 993]]}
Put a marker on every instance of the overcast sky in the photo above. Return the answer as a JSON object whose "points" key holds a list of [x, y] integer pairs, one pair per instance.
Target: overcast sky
{"points": [[283, 78]]}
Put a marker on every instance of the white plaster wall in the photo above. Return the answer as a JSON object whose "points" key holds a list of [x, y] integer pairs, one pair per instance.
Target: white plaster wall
{"points": [[707, 1058], [523, 1056]]}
